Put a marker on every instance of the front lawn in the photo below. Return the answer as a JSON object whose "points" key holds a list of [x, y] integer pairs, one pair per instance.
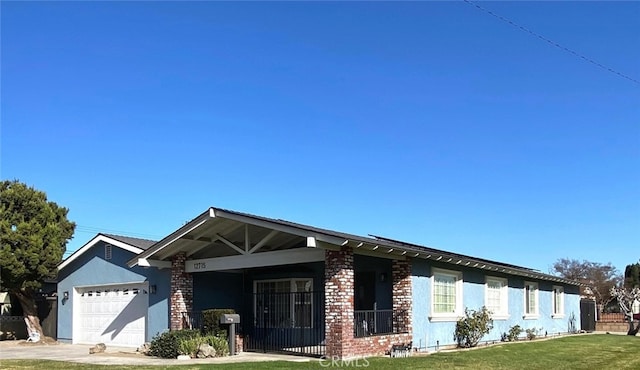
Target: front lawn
{"points": [[573, 352]]}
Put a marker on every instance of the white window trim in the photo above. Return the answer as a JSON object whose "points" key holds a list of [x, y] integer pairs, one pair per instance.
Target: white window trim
{"points": [[503, 313], [536, 314], [447, 316], [560, 314], [292, 303]]}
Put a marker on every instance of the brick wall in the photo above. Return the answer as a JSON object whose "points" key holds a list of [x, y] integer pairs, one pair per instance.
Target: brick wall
{"points": [[613, 327], [339, 308], [181, 299], [402, 294], [377, 345], [339, 286]]}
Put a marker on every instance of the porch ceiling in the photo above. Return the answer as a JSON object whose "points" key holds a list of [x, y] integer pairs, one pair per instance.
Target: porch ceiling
{"points": [[219, 237]]}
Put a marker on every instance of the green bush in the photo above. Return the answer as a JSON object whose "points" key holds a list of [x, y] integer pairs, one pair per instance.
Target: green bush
{"points": [[532, 333], [472, 327], [513, 335], [189, 346], [219, 343], [166, 345], [211, 320]]}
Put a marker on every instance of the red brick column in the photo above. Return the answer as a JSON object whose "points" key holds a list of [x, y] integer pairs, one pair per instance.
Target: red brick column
{"points": [[181, 291], [402, 294], [339, 305]]}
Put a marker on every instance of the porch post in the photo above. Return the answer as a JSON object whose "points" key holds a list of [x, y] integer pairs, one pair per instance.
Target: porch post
{"points": [[181, 291], [339, 305], [402, 295]]}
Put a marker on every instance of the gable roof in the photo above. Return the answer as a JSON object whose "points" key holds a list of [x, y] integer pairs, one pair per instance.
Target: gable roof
{"points": [[143, 244], [370, 243], [134, 245]]}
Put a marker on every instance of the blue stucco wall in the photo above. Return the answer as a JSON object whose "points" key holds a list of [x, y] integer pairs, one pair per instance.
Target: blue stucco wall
{"points": [[92, 269], [427, 334], [218, 290]]}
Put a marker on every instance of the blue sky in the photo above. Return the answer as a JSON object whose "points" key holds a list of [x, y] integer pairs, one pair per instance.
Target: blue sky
{"points": [[429, 122]]}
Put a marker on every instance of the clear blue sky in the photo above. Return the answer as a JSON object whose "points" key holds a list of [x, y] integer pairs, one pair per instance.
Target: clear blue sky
{"points": [[429, 122]]}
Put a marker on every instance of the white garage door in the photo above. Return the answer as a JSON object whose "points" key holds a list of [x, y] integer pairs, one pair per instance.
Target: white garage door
{"points": [[114, 315]]}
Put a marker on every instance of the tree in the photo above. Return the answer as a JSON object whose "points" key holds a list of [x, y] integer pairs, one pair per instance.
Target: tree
{"points": [[33, 236], [598, 277], [632, 276], [625, 298]]}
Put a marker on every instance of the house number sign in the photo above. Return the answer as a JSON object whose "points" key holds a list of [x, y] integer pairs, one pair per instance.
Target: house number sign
{"points": [[199, 265]]}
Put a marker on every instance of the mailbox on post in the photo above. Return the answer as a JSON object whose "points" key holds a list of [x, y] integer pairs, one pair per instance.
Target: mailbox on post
{"points": [[231, 319]]}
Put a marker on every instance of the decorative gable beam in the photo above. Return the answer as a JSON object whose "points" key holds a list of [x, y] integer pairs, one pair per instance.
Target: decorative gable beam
{"points": [[264, 241], [230, 244], [263, 259]]}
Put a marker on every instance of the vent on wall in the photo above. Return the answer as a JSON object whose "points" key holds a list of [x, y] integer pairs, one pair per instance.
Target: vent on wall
{"points": [[107, 251]]}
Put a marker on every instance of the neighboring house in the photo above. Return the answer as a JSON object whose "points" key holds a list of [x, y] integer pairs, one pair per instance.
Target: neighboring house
{"points": [[305, 290], [102, 300]]}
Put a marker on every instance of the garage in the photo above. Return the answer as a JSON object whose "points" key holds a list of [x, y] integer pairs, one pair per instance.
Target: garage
{"points": [[111, 314]]}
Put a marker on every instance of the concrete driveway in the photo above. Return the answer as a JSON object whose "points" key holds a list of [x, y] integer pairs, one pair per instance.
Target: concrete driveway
{"points": [[119, 355]]}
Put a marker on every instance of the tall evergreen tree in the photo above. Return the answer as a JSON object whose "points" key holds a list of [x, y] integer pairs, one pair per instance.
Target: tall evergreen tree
{"points": [[33, 236], [632, 276]]}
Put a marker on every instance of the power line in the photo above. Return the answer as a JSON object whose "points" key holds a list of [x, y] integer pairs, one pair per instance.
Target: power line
{"points": [[97, 230], [570, 51]]}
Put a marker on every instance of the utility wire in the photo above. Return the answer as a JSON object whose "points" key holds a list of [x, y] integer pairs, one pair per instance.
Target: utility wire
{"points": [[96, 230], [575, 53]]}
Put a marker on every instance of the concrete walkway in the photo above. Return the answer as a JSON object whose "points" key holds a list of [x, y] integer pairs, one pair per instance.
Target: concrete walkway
{"points": [[120, 356]]}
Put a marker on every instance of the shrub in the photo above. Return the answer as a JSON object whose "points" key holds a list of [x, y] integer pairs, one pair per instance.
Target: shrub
{"points": [[514, 333], [211, 320], [189, 346], [532, 333], [471, 328], [166, 345], [219, 343]]}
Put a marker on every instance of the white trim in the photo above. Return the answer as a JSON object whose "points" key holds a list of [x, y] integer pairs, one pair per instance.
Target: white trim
{"points": [[554, 314], [503, 312], [145, 262], [536, 313], [99, 238], [276, 226], [458, 309], [201, 219], [275, 258]]}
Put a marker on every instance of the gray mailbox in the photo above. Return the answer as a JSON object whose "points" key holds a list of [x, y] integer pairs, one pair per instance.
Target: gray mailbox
{"points": [[231, 319]]}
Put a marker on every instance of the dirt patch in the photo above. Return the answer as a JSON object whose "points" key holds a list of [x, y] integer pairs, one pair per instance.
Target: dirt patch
{"points": [[46, 341]]}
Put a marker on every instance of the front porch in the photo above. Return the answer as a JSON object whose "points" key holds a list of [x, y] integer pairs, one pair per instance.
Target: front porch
{"points": [[283, 308], [298, 290]]}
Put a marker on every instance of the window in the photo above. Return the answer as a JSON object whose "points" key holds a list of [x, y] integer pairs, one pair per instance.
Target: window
{"points": [[530, 300], [496, 297], [283, 303], [446, 295], [558, 301], [107, 251]]}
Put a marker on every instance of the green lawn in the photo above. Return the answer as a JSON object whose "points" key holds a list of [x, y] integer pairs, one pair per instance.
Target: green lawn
{"points": [[574, 352]]}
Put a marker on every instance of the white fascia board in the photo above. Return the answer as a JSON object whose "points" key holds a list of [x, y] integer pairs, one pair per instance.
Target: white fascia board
{"points": [[99, 238], [171, 238], [275, 258], [144, 262]]}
